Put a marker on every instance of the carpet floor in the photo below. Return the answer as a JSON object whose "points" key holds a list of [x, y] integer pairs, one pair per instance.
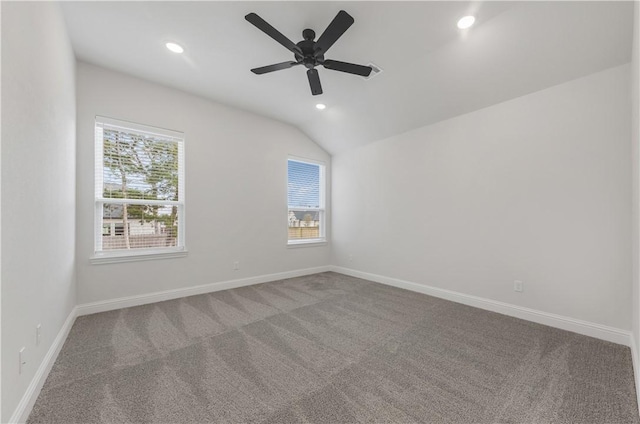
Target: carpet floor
{"points": [[329, 348]]}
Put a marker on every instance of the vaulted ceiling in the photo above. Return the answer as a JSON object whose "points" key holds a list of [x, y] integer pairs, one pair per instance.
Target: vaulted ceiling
{"points": [[431, 69]]}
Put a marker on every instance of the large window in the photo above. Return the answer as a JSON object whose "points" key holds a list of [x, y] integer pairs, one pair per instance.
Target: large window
{"points": [[139, 191], [305, 197]]}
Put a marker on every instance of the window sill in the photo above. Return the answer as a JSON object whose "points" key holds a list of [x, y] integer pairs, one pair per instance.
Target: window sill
{"points": [[117, 257], [307, 243]]}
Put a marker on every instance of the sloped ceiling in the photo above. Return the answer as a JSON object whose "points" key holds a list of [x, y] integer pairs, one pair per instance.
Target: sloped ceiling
{"points": [[431, 69]]}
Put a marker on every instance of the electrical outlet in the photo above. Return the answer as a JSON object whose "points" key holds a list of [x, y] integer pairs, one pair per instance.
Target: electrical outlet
{"points": [[518, 286], [38, 334], [236, 265], [21, 360]]}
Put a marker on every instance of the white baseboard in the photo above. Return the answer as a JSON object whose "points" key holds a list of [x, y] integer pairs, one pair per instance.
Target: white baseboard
{"points": [[126, 302], [636, 370], [30, 396], [586, 328]]}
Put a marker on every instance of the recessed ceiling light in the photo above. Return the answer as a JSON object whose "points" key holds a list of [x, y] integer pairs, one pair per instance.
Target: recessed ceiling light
{"points": [[176, 48], [320, 106], [466, 22]]}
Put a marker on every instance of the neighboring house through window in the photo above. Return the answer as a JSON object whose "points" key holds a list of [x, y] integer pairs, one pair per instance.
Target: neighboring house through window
{"points": [[139, 191], [306, 201]]}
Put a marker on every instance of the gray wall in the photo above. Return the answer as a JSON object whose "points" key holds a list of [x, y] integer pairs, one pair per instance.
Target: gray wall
{"points": [[236, 188], [635, 160], [534, 189], [38, 188]]}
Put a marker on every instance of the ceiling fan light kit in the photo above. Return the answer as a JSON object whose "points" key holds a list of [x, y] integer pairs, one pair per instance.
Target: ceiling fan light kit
{"points": [[309, 52]]}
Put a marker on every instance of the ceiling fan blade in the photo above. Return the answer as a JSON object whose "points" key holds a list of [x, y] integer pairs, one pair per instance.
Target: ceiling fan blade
{"points": [[336, 28], [265, 27], [276, 67], [314, 81], [351, 68]]}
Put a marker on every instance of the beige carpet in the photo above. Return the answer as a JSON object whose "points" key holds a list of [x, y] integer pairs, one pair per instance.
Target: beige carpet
{"points": [[329, 348]]}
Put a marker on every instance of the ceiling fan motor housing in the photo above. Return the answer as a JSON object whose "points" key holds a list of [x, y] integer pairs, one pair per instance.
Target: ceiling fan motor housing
{"points": [[308, 47]]}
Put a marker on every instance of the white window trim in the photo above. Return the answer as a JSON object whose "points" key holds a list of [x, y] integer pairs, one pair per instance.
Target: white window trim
{"points": [[114, 256], [322, 240], [307, 243], [139, 255]]}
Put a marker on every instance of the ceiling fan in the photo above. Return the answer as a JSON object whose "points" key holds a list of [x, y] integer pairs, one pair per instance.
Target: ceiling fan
{"points": [[310, 53]]}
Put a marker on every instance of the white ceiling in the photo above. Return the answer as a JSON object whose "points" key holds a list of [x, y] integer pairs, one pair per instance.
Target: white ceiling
{"points": [[431, 70]]}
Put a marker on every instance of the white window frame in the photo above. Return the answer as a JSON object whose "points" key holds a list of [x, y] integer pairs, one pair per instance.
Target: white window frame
{"points": [[121, 255], [322, 212]]}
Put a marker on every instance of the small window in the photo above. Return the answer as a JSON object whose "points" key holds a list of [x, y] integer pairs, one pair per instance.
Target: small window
{"points": [[305, 198], [139, 192]]}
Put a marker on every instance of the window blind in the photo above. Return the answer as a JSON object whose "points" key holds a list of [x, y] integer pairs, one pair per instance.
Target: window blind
{"points": [[139, 187], [303, 184]]}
